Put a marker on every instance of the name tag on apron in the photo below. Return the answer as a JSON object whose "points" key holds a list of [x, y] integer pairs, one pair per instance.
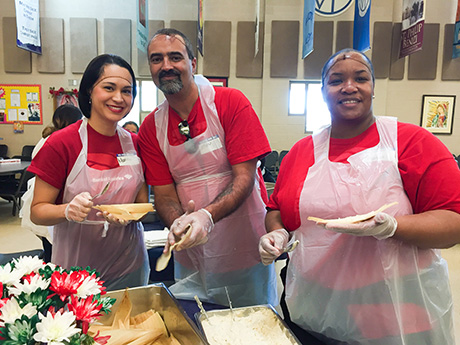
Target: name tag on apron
{"points": [[210, 144], [127, 159]]}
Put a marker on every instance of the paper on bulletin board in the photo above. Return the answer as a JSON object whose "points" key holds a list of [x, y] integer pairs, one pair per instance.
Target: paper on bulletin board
{"points": [[21, 103]]}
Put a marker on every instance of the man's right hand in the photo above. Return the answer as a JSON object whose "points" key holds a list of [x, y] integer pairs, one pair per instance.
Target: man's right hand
{"points": [[271, 245], [200, 225], [78, 209]]}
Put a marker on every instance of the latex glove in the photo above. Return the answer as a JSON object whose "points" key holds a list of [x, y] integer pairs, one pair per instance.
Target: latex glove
{"points": [[271, 245], [201, 224], [382, 226], [78, 209], [177, 222]]}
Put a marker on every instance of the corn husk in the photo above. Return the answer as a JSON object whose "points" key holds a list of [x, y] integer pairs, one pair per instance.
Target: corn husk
{"points": [[352, 219], [163, 260], [142, 329], [127, 211]]}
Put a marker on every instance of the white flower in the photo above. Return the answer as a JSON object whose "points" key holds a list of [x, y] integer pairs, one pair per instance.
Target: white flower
{"points": [[88, 287], [9, 276], [28, 264], [11, 311], [56, 329], [36, 282]]}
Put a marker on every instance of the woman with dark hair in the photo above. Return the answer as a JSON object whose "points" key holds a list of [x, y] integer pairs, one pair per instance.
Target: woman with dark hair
{"points": [[77, 163]]}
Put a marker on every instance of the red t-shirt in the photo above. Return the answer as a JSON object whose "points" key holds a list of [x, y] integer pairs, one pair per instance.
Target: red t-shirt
{"points": [[245, 138], [57, 157], [430, 175]]}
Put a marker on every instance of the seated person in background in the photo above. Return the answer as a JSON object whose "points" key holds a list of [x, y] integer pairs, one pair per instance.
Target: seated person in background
{"points": [[268, 177], [131, 126], [375, 282], [63, 116]]}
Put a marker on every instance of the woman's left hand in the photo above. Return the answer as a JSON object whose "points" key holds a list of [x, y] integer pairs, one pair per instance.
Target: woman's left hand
{"points": [[113, 219], [381, 227]]}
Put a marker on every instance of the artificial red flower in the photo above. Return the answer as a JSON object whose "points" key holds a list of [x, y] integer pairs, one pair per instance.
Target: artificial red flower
{"points": [[29, 277], [64, 284], [84, 308], [2, 300]]}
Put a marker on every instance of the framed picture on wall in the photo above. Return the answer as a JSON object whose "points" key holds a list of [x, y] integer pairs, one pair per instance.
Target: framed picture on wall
{"points": [[438, 113], [218, 81], [62, 96]]}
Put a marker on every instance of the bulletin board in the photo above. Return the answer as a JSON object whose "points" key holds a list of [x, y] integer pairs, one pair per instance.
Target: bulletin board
{"points": [[21, 103]]}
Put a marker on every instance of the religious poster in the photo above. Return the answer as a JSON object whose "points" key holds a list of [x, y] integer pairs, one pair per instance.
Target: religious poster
{"points": [[28, 25], [21, 103], [413, 20]]}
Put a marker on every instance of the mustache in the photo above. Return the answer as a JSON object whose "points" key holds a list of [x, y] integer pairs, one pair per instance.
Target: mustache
{"points": [[170, 73]]}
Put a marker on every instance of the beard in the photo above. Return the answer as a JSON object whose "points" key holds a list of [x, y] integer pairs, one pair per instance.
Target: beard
{"points": [[169, 86]]}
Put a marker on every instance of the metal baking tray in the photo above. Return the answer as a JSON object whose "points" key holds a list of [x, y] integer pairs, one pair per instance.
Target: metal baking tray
{"points": [[284, 334], [158, 297]]}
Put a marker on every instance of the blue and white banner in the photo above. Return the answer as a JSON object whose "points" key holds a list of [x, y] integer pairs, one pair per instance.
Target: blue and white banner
{"points": [[256, 37], [142, 35], [200, 22], [28, 25], [456, 47], [308, 27], [361, 39]]}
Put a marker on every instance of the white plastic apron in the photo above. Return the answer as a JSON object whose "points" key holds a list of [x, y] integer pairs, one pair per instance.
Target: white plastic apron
{"points": [[230, 257], [122, 251], [360, 290]]}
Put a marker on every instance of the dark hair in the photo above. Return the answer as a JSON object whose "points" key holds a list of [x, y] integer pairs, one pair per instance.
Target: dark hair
{"points": [[326, 66], [174, 32], [63, 116], [131, 123], [93, 72]]}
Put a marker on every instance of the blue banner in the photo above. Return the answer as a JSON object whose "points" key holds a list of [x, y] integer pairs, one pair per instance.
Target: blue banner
{"points": [[361, 39], [200, 27], [456, 47], [308, 27], [142, 26]]}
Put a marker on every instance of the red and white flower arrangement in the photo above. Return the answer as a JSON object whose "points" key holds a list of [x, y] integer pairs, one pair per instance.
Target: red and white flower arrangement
{"points": [[46, 304], [62, 91]]}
